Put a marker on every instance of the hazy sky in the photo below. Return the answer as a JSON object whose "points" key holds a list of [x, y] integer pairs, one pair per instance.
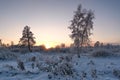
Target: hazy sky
{"points": [[49, 19]]}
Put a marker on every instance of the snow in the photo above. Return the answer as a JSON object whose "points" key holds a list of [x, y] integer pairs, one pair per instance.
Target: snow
{"points": [[45, 65]]}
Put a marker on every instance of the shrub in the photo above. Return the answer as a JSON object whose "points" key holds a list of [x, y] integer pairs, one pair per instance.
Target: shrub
{"points": [[9, 67], [94, 73], [101, 53], [63, 69], [24, 51], [32, 59], [116, 73], [21, 65], [62, 66], [6, 54]]}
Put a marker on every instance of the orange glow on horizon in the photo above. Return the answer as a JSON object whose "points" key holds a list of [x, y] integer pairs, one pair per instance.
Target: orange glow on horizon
{"points": [[51, 44], [48, 44]]}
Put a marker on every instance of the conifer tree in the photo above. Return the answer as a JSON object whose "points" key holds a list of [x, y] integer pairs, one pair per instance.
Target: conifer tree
{"points": [[27, 38]]}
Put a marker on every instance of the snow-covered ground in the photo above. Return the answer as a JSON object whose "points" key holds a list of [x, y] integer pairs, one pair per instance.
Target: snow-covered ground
{"points": [[61, 66]]}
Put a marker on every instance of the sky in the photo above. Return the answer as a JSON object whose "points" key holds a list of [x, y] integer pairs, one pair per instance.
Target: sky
{"points": [[49, 20]]}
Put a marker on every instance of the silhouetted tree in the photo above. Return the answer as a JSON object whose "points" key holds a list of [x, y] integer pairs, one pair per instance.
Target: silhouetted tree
{"points": [[80, 27], [62, 45], [27, 38], [101, 44], [42, 48], [12, 43], [97, 44], [7, 45], [0, 42], [4, 45]]}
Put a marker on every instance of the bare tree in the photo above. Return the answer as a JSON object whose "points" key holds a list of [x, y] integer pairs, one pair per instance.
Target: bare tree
{"points": [[27, 38], [80, 27]]}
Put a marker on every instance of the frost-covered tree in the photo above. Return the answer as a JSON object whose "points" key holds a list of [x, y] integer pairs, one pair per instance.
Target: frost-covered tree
{"points": [[27, 38], [81, 27]]}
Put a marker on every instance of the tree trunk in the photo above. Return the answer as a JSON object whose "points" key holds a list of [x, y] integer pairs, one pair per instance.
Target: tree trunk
{"points": [[29, 47], [78, 50]]}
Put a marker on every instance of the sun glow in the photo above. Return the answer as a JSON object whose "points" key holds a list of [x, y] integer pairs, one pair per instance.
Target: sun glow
{"points": [[47, 44], [50, 44]]}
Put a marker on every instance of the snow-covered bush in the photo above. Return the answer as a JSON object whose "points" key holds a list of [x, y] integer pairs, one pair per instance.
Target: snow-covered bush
{"points": [[116, 50], [61, 66], [83, 75], [42, 66], [94, 73], [24, 51], [63, 69], [116, 73], [20, 65], [67, 58], [101, 53], [6, 54], [10, 67], [32, 59]]}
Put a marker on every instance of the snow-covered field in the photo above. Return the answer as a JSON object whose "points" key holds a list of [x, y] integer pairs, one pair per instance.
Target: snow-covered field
{"points": [[61, 66]]}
